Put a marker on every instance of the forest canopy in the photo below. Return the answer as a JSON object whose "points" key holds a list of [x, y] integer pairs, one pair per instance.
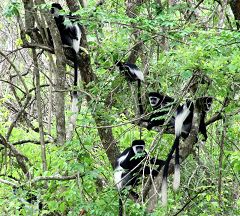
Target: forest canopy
{"points": [[60, 134]]}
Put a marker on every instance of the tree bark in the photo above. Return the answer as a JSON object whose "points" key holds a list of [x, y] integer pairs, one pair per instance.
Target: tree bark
{"points": [[132, 12], [39, 109], [235, 6], [60, 77], [88, 76]]}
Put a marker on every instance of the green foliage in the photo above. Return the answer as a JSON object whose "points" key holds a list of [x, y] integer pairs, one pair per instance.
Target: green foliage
{"points": [[173, 50], [12, 9]]}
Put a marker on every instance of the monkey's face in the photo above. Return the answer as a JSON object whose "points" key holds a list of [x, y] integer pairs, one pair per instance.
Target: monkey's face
{"points": [[208, 103], [154, 101], [55, 12], [55, 9], [138, 149]]}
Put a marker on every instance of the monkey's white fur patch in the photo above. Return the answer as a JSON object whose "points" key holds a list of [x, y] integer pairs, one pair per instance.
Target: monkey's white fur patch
{"points": [[202, 143], [139, 74], [56, 12], [164, 191], [139, 151], [74, 108], [118, 177], [122, 158], [76, 42], [119, 171], [176, 177], [180, 118]]}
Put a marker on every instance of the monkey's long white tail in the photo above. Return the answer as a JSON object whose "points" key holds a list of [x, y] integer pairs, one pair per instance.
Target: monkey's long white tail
{"points": [[176, 177], [73, 117], [165, 171], [164, 191], [180, 118]]}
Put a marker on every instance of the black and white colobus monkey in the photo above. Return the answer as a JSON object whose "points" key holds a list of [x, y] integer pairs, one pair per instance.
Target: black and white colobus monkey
{"points": [[70, 33], [132, 74], [183, 125], [158, 102], [129, 167]]}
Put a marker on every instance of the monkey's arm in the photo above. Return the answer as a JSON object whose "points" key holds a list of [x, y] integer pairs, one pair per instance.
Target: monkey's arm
{"points": [[202, 127], [158, 162], [73, 33], [148, 171]]}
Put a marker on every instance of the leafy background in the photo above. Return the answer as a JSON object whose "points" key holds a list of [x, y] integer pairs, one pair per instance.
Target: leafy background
{"points": [[174, 45]]}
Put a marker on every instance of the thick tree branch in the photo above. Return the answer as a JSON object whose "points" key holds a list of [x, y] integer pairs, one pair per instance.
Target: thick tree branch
{"points": [[56, 178], [88, 76], [131, 11], [235, 6], [60, 76], [12, 184], [21, 142]]}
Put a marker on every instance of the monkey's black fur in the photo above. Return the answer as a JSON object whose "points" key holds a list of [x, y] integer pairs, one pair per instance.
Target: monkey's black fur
{"points": [[132, 73], [159, 103], [129, 167], [183, 125], [70, 34]]}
